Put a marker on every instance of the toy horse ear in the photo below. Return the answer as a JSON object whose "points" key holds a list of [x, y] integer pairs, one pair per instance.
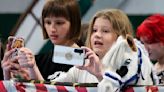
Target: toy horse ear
{"points": [[130, 41]]}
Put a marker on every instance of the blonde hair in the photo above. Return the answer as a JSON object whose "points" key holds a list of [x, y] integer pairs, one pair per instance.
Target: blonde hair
{"points": [[119, 20]]}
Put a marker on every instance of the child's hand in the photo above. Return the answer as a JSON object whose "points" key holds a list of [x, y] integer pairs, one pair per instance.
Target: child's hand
{"points": [[9, 63], [26, 58], [94, 65]]}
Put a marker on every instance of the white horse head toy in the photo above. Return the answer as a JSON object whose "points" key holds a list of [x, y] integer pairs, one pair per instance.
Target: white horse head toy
{"points": [[125, 64]]}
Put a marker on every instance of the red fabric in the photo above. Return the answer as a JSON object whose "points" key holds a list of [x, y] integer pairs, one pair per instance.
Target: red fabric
{"points": [[81, 89], [20, 87], [129, 89], [40, 87], [2, 87], [152, 89], [61, 89]]}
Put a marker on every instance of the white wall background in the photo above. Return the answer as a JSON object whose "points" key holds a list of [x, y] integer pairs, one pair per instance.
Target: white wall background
{"points": [[133, 7], [14, 6], [130, 6]]}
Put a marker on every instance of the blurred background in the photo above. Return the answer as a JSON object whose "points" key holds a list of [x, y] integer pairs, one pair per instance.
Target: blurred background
{"points": [[22, 17]]}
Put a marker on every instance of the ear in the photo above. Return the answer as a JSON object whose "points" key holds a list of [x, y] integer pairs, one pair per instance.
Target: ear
{"points": [[131, 43]]}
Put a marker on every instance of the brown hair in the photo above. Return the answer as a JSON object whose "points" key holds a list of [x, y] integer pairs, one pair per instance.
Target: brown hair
{"points": [[65, 8], [83, 36], [119, 20]]}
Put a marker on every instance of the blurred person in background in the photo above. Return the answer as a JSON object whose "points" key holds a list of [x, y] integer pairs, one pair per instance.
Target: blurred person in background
{"points": [[151, 34]]}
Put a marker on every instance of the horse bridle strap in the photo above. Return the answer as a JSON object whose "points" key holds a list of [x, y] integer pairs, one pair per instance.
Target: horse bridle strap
{"points": [[113, 77], [139, 73], [110, 75]]}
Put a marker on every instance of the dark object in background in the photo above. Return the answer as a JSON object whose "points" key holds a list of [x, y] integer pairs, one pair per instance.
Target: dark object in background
{"points": [[1, 57]]}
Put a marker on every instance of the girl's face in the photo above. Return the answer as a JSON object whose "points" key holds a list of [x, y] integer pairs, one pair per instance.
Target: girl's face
{"points": [[155, 50], [102, 37], [57, 29]]}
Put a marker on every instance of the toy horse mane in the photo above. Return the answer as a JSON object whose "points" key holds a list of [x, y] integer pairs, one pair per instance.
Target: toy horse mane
{"points": [[131, 43]]}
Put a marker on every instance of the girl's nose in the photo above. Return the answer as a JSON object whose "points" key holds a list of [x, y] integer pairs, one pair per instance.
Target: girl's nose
{"points": [[53, 28], [98, 34]]}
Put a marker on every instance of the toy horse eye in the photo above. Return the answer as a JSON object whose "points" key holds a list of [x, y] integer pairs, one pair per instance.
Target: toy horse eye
{"points": [[127, 61]]}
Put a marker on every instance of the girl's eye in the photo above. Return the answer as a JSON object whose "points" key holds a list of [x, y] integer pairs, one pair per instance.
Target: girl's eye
{"points": [[47, 22], [106, 31], [94, 30], [59, 22]]}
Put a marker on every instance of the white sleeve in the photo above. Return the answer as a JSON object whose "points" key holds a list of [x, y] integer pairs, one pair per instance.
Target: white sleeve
{"points": [[70, 76]]}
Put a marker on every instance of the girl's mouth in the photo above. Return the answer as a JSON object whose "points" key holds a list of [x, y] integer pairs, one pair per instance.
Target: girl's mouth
{"points": [[98, 43]]}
